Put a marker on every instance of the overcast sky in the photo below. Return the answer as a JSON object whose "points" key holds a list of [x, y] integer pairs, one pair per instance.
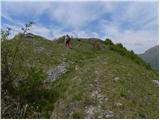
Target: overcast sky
{"points": [[134, 24]]}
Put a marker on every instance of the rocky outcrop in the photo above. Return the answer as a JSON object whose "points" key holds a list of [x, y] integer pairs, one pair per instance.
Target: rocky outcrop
{"points": [[55, 73], [156, 81]]}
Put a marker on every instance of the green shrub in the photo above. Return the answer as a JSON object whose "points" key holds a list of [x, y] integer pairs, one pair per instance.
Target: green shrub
{"points": [[31, 87], [76, 115], [108, 42], [61, 39], [119, 45]]}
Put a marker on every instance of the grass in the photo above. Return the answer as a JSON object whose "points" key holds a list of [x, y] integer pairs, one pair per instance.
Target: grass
{"points": [[132, 90], [71, 93]]}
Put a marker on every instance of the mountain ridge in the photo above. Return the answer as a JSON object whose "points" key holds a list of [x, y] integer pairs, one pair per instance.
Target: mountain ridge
{"points": [[151, 56]]}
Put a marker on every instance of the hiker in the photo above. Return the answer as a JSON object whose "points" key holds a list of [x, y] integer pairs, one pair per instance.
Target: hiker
{"points": [[95, 45], [67, 41]]}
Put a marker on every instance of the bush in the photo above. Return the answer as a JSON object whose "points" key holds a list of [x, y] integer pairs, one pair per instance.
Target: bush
{"points": [[30, 87], [23, 88], [108, 42], [76, 115], [120, 46], [22, 82], [61, 39]]}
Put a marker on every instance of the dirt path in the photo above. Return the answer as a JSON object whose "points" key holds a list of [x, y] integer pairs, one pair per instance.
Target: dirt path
{"points": [[96, 110]]}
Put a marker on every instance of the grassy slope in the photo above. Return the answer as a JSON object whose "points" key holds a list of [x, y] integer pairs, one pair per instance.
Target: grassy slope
{"points": [[135, 90], [72, 92]]}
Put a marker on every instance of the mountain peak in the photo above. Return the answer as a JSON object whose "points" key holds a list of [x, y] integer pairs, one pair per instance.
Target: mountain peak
{"points": [[151, 56]]}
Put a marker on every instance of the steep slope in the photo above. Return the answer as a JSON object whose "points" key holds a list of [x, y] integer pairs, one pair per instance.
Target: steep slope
{"points": [[108, 86], [82, 82], [151, 56]]}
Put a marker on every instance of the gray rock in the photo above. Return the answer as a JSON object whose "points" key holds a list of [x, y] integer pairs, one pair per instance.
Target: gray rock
{"points": [[99, 96], [96, 72], [116, 78], [64, 59], [91, 85], [76, 67], [108, 114], [118, 104], [100, 117], [106, 99], [91, 111], [94, 94], [54, 73], [156, 81]]}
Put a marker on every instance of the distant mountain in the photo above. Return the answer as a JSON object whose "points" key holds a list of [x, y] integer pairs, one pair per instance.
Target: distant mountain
{"points": [[151, 56]]}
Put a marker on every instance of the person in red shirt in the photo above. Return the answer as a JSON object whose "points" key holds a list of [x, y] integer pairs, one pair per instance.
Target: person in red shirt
{"points": [[68, 42]]}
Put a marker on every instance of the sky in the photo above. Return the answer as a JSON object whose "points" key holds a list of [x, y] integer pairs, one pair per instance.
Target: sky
{"points": [[134, 24]]}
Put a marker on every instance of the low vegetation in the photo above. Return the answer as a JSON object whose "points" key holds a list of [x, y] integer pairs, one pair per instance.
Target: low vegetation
{"points": [[122, 79], [123, 51]]}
